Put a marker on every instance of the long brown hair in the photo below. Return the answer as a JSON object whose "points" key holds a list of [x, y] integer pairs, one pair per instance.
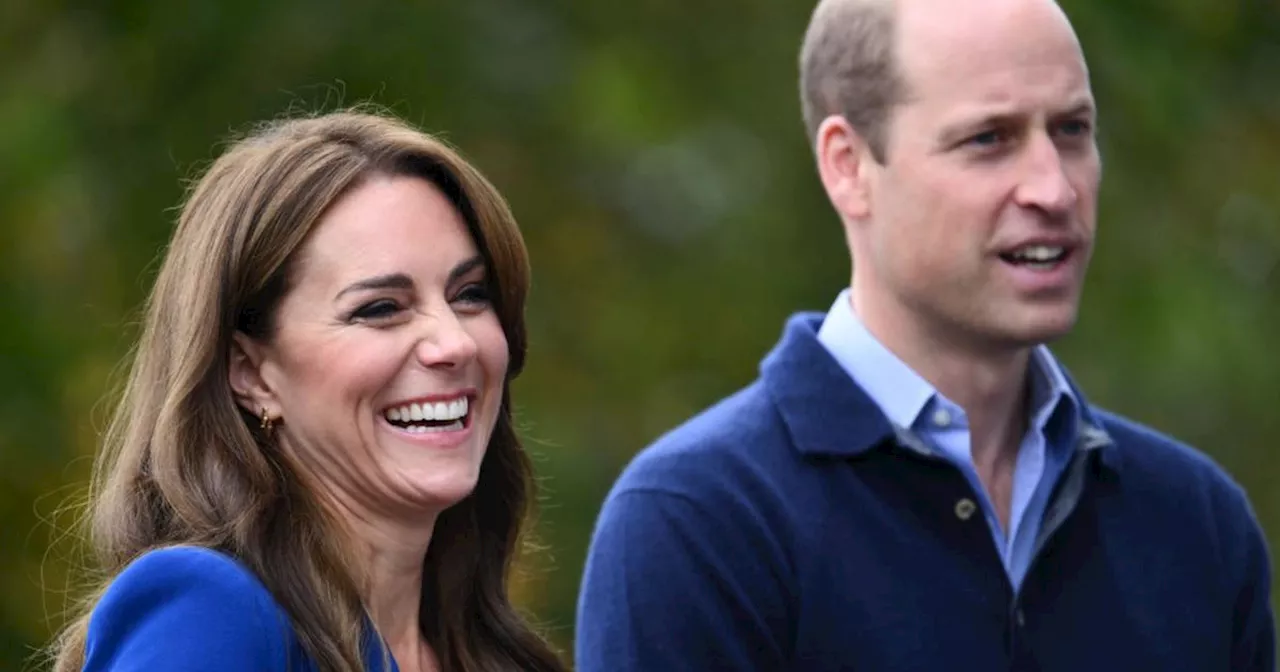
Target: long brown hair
{"points": [[182, 463]]}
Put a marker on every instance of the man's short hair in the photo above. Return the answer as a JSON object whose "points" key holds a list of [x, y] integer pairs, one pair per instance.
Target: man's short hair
{"points": [[847, 67]]}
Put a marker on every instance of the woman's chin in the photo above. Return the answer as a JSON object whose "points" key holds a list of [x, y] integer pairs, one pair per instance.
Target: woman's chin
{"points": [[437, 491]]}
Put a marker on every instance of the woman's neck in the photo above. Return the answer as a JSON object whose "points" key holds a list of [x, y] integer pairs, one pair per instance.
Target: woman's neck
{"points": [[392, 593], [389, 555]]}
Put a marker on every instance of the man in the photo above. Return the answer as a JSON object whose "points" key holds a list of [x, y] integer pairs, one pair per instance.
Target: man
{"points": [[913, 482]]}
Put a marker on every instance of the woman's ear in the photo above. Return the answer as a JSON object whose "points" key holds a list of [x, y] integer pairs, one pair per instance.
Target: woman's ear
{"points": [[244, 373]]}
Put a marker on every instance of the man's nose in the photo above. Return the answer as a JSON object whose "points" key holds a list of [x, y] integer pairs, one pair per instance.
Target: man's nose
{"points": [[1044, 183]]}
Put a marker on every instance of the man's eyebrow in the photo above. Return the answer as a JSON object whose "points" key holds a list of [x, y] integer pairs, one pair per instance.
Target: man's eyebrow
{"points": [[962, 127], [1082, 108]]}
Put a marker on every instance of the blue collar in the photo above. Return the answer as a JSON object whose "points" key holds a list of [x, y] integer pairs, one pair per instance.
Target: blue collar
{"points": [[827, 413], [904, 395]]}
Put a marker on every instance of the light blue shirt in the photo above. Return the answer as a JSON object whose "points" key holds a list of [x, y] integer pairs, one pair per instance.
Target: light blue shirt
{"points": [[912, 404]]}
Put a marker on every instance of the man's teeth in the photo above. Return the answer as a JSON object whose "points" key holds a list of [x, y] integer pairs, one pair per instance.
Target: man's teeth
{"points": [[1038, 253], [440, 411]]}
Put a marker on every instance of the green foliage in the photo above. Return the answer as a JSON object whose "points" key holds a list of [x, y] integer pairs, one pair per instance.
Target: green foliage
{"points": [[655, 156]]}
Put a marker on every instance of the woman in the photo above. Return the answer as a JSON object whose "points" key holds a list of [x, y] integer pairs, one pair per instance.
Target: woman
{"points": [[313, 466]]}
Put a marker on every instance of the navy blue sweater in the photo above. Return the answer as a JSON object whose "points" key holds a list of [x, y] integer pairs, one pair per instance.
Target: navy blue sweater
{"points": [[791, 527]]}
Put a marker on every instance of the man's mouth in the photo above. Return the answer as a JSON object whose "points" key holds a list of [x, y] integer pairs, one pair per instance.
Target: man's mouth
{"points": [[448, 415], [1037, 257]]}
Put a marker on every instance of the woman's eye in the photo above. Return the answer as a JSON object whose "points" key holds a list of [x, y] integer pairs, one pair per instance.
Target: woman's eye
{"points": [[475, 294], [374, 310]]}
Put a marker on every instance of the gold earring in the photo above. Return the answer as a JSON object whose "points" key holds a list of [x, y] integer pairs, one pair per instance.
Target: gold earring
{"points": [[267, 423]]}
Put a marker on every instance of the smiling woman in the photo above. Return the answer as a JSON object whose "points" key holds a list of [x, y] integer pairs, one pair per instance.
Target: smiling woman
{"points": [[313, 465]]}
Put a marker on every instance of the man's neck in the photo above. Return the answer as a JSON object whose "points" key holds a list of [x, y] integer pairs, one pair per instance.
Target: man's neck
{"points": [[989, 383], [992, 391]]}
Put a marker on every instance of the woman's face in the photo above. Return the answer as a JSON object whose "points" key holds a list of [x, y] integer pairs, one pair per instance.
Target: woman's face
{"points": [[388, 361]]}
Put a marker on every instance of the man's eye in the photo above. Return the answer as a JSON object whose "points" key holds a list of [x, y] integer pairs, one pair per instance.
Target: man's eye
{"points": [[382, 308], [987, 139], [1075, 128]]}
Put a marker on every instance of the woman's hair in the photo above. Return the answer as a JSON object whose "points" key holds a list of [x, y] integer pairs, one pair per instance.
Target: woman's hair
{"points": [[182, 463]]}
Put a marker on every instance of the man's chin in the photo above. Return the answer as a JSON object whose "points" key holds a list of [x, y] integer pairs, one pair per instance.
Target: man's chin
{"points": [[1042, 327]]}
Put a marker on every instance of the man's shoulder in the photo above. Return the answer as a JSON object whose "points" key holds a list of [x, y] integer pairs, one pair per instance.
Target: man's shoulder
{"points": [[748, 413], [1182, 495], [738, 438], [1157, 464], [1149, 449]]}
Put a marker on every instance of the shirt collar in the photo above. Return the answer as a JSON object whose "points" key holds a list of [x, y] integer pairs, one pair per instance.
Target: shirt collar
{"points": [[1051, 394], [827, 414], [904, 396], [899, 391]]}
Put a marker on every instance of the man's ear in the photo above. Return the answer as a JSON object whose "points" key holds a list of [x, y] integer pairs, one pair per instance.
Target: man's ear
{"points": [[244, 373], [844, 164]]}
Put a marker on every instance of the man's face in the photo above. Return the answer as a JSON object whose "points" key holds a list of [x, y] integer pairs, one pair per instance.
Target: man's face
{"points": [[981, 222]]}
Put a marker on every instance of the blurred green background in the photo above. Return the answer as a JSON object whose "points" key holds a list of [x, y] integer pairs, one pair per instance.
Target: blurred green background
{"points": [[654, 154]]}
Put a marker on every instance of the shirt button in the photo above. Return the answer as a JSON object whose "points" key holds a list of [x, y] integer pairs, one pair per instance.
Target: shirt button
{"points": [[942, 417], [965, 508]]}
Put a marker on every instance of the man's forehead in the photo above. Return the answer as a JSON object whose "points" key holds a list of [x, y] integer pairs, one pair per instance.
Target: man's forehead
{"points": [[944, 40], [1006, 88]]}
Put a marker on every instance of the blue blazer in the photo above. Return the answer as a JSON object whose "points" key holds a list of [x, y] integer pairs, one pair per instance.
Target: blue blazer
{"points": [[188, 609]]}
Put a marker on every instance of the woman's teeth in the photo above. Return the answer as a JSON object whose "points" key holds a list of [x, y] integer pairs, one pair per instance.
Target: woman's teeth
{"points": [[421, 418], [428, 429]]}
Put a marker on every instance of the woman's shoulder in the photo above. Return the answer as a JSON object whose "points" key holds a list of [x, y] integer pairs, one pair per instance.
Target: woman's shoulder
{"points": [[187, 608], [189, 566]]}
